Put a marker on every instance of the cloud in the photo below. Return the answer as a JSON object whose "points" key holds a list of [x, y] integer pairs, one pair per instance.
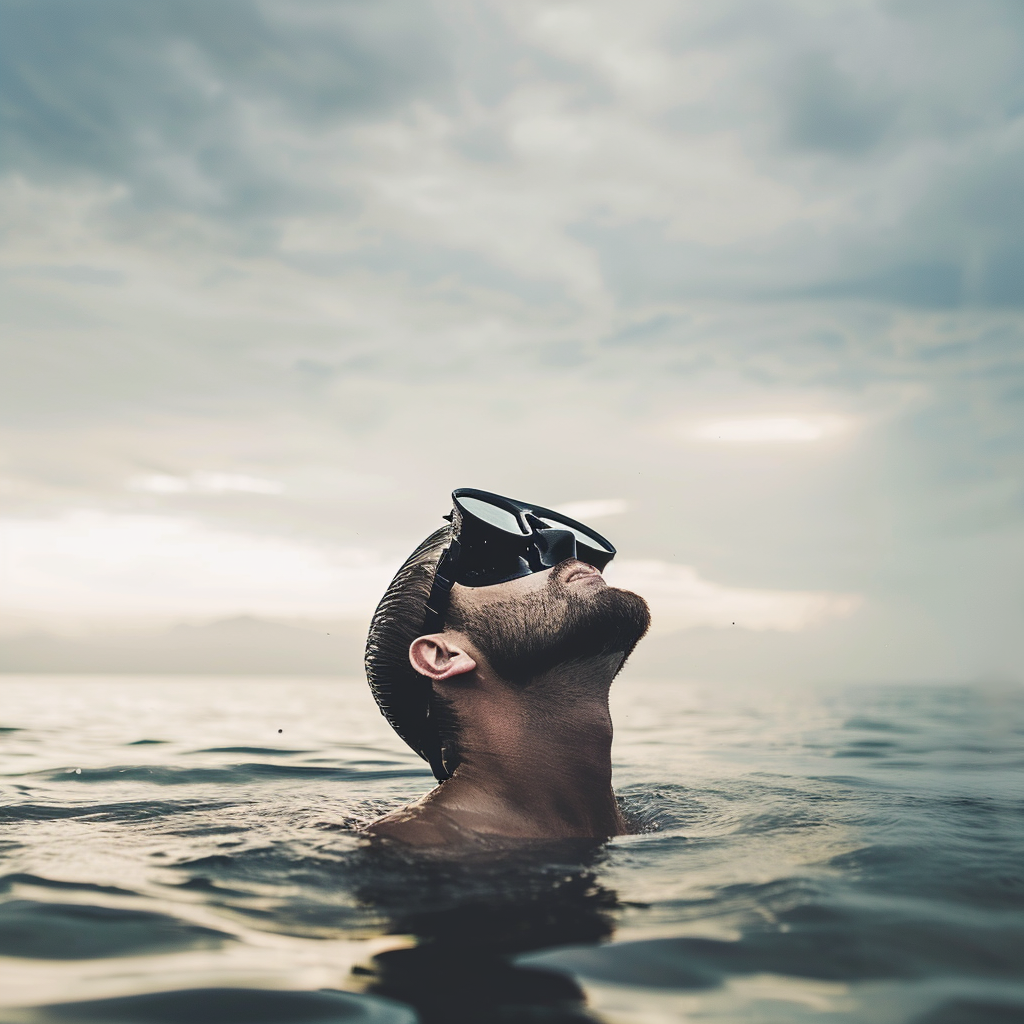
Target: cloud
{"points": [[204, 483], [94, 565], [597, 508], [681, 599], [769, 429], [829, 111], [741, 152], [185, 105]]}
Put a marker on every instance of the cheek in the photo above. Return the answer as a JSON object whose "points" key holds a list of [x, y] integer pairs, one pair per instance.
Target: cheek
{"points": [[473, 600]]}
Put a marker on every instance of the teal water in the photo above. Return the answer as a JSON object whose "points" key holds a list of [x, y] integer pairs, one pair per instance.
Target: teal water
{"points": [[187, 850]]}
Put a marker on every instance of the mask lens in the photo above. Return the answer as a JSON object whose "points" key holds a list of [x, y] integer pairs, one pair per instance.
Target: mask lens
{"points": [[493, 515], [581, 535]]}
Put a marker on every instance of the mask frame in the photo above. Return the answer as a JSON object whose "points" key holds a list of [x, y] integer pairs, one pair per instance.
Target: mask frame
{"points": [[495, 539]]}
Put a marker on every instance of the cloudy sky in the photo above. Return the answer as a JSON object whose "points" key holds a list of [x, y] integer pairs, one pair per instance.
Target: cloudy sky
{"points": [[743, 281]]}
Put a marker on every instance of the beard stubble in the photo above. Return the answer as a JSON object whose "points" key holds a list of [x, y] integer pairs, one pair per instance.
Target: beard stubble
{"points": [[527, 638]]}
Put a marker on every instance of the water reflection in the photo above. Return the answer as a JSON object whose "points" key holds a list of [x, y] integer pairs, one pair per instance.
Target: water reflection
{"points": [[467, 919]]}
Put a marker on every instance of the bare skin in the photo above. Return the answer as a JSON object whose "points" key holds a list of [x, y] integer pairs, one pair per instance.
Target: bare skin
{"points": [[536, 760]]}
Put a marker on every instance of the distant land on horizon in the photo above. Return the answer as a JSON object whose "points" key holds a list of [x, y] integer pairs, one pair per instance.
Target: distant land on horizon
{"points": [[243, 645]]}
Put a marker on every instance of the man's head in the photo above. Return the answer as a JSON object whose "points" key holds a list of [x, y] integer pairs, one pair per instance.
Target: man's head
{"points": [[519, 631]]}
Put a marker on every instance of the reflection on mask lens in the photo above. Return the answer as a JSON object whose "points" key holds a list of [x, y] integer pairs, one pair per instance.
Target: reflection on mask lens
{"points": [[492, 514]]}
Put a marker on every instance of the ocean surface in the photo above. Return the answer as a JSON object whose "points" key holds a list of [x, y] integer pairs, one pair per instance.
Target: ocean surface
{"points": [[187, 850]]}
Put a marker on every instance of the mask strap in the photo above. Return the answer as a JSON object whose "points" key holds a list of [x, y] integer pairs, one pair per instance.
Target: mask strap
{"points": [[441, 588]]}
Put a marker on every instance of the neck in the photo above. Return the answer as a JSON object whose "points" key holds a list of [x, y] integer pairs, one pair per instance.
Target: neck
{"points": [[536, 760]]}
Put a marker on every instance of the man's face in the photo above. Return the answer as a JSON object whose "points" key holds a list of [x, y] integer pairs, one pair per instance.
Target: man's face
{"points": [[533, 624]]}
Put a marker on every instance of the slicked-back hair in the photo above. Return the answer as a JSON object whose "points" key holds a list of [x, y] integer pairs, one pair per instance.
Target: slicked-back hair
{"points": [[405, 698]]}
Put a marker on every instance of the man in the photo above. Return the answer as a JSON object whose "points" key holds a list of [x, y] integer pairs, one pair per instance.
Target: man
{"points": [[491, 654]]}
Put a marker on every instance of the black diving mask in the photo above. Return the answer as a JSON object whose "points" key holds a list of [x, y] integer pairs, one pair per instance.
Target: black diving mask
{"points": [[496, 539]]}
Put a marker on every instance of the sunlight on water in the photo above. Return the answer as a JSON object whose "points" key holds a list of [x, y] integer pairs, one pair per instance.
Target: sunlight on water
{"points": [[186, 849]]}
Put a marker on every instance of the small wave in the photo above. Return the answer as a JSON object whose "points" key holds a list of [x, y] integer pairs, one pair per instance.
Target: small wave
{"points": [[8, 882], [128, 811], [928, 871], [75, 931], [159, 775], [256, 751], [203, 884], [671, 806], [877, 725], [814, 940], [224, 1005], [974, 1011]]}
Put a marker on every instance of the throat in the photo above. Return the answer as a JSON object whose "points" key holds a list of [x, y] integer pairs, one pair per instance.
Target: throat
{"points": [[540, 766]]}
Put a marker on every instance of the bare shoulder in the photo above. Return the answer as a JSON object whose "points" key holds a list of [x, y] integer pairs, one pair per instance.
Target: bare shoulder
{"points": [[419, 824]]}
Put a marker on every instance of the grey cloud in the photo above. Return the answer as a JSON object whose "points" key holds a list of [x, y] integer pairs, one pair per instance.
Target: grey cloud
{"points": [[908, 114], [169, 99], [956, 243], [73, 274], [829, 111], [934, 285], [861, 96], [216, 110], [984, 207], [458, 272], [959, 242], [642, 263], [483, 142]]}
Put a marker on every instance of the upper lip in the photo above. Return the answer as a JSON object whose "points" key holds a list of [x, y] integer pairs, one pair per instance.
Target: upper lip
{"points": [[580, 569]]}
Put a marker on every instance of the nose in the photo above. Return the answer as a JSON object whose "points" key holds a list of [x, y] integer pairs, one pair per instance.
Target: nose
{"points": [[553, 546]]}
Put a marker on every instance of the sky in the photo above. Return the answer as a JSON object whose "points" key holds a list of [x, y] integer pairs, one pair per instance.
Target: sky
{"points": [[742, 283]]}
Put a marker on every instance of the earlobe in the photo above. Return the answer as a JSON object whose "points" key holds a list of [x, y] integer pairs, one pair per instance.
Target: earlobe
{"points": [[435, 657]]}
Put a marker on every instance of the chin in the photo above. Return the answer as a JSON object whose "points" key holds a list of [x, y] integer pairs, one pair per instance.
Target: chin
{"points": [[607, 621]]}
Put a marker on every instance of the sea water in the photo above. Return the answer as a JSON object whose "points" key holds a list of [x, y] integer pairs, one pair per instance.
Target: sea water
{"points": [[188, 850]]}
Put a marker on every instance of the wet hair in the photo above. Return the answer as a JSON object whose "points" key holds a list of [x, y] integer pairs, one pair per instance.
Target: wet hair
{"points": [[407, 699]]}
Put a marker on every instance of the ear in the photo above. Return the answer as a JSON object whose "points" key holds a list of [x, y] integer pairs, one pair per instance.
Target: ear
{"points": [[437, 657]]}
